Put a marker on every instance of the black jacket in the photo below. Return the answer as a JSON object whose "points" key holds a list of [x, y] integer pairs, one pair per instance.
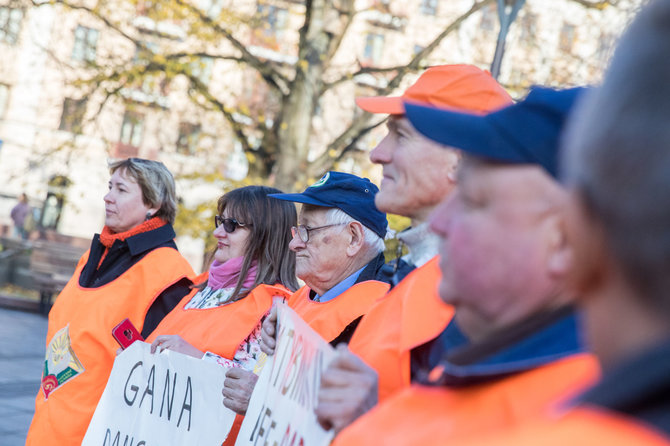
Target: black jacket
{"points": [[123, 255]]}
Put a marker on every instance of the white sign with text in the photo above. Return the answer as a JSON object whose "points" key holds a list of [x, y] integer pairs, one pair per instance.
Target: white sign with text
{"points": [[160, 399], [281, 409]]}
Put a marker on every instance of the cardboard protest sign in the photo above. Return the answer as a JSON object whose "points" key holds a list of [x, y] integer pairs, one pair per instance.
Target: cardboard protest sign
{"points": [[160, 399], [281, 409]]}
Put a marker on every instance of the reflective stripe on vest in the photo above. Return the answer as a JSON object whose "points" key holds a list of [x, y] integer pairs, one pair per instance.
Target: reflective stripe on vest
{"points": [[80, 326], [438, 415], [222, 329], [410, 315], [330, 318]]}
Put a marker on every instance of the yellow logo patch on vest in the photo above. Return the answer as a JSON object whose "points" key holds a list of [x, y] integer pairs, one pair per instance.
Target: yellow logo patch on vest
{"points": [[60, 364]]}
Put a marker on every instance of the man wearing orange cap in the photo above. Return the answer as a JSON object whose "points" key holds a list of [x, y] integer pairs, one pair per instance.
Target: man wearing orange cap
{"points": [[402, 333]]}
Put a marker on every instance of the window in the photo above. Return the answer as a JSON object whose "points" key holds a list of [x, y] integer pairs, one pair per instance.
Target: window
{"points": [[189, 137], [4, 99], [428, 7], [605, 47], [132, 128], [374, 46], [274, 19], [528, 26], [202, 69], [10, 24], [417, 49], [213, 8], [73, 115], [567, 37], [489, 16], [85, 44]]}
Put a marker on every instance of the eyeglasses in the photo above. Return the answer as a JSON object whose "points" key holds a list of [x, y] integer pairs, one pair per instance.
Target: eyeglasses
{"points": [[303, 231], [229, 224]]}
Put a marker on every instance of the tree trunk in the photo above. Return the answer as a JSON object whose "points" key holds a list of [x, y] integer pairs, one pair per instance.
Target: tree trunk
{"points": [[295, 125]]}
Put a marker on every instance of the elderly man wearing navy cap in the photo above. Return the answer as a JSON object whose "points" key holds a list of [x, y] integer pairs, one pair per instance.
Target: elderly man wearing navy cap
{"points": [[339, 244], [504, 261], [339, 247]]}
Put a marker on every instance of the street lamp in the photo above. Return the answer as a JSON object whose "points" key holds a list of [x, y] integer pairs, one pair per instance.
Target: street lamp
{"points": [[507, 12]]}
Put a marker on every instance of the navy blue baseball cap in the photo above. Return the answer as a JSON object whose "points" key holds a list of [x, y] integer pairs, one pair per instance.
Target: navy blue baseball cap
{"points": [[527, 132], [355, 196]]}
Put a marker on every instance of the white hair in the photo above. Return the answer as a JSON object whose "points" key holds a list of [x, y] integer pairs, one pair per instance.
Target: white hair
{"points": [[336, 216]]}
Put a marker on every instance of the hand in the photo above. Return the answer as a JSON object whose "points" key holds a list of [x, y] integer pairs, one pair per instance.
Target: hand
{"points": [[237, 388], [175, 343], [269, 332], [348, 390]]}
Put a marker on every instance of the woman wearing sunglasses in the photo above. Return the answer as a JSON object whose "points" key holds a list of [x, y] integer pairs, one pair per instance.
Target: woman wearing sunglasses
{"points": [[252, 266]]}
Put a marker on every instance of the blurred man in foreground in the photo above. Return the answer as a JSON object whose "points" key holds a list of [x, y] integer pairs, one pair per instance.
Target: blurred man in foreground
{"points": [[617, 159], [504, 262]]}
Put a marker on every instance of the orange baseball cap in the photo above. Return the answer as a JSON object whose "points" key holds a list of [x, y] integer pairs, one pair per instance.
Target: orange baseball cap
{"points": [[457, 87]]}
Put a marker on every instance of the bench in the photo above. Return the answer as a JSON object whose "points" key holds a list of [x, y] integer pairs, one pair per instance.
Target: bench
{"points": [[51, 267]]}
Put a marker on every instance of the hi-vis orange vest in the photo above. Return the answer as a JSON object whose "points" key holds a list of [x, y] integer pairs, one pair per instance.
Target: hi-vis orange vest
{"points": [[578, 427], [439, 415], [80, 346], [220, 330], [410, 315], [330, 318]]}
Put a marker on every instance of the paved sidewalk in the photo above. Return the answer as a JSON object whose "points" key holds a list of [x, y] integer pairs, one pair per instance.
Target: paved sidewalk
{"points": [[22, 337]]}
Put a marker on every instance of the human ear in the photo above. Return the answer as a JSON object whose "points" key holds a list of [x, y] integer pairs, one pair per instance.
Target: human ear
{"points": [[356, 238], [454, 160], [560, 255], [586, 239]]}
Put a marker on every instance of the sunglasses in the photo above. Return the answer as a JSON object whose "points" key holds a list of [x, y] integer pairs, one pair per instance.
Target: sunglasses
{"points": [[229, 224]]}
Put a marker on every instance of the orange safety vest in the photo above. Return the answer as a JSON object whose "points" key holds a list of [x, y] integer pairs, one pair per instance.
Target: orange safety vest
{"points": [[578, 427], [220, 330], [440, 415], [80, 346], [410, 315], [330, 318]]}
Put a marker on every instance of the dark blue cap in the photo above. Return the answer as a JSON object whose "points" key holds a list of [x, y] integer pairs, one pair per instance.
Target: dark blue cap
{"points": [[355, 196], [527, 132]]}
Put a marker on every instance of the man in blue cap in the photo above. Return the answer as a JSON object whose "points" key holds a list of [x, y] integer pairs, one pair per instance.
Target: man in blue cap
{"points": [[339, 247], [504, 261], [616, 163], [339, 244]]}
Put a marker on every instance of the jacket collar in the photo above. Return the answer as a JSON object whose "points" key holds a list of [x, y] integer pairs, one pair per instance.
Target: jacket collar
{"points": [[534, 342]]}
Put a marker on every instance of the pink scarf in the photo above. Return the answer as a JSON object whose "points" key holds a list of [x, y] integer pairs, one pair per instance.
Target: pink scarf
{"points": [[226, 275]]}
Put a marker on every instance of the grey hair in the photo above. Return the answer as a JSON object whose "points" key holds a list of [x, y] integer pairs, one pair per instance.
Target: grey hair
{"points": [[336, 216], [617, 155], [156, 183]]}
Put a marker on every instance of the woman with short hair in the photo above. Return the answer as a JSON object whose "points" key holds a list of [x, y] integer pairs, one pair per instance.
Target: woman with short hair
{"points": [[132, 270]]}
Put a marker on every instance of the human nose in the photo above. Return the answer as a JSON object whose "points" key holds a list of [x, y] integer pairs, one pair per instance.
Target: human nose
{"points": [[109, 197], [382, 153], [220, 232], [296, 243]]}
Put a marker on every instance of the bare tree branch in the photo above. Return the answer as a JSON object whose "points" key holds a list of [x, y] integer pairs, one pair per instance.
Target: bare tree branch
{"points": [[348, 136], [415, 63], [273, 77], [93, 12], [600, 4]]}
